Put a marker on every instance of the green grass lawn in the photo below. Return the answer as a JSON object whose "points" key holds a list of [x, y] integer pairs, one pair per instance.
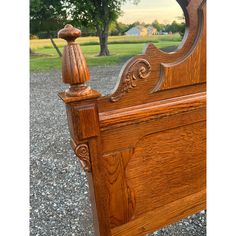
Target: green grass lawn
{"points": [[121, 47]]}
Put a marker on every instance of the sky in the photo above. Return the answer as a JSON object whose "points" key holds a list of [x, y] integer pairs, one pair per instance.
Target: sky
{"points": [[165, 11]]}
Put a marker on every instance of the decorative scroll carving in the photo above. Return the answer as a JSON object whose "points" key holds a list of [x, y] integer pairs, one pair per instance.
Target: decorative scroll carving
{"points": [[139, 69], [82, 152]]}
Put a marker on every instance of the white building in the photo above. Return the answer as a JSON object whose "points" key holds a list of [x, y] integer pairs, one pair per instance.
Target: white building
{"points": [[137, 31], [151, 30]]}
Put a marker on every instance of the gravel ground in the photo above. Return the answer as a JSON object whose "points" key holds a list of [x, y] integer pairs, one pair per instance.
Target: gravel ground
{"points": [[59, 196]]}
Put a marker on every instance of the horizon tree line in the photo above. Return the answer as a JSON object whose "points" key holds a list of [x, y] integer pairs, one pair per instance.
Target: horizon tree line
{"points": [[94, 18]]}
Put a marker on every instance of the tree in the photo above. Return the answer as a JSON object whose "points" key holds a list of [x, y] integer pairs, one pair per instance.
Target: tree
{"points": [[122, 28], [156, 25], [136, 23], [47, 15], [181, 29], [182, 25], [174, 27], [113, 29], [98, 13]]}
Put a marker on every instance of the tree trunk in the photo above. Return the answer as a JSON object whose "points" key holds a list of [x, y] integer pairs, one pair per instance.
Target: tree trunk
{"points": [[103, 39], [31, 52], [54, 45]]}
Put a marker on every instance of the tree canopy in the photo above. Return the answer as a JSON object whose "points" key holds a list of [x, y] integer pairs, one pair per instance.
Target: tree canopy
{"points": [[48, 16], [99, 14]]}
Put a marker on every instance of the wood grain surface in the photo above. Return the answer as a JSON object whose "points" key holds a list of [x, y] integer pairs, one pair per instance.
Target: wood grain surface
{"points": [[121, 196], [163, 216], [168, 165], [143, 147]]}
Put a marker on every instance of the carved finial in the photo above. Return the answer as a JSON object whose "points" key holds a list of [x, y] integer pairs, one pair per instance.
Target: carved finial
{"points": [[69, 33], [74, 68]]}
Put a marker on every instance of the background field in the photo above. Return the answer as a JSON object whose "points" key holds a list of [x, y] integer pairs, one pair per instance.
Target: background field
{"points": [[121, 47]]}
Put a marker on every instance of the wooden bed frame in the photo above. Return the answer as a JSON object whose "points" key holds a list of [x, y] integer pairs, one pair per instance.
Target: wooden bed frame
{"points": [[144, 146]]}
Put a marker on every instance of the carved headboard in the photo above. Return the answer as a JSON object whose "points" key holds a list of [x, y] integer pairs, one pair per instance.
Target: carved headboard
{"points": [[144, 146]]}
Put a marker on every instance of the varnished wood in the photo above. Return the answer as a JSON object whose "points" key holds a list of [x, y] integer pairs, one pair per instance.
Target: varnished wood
{"points": [[121, 197], [153, 110], [74, 68], [121, 136], [143, 147], [69, 99], [157, 68], [170, 213], [171, 163]]}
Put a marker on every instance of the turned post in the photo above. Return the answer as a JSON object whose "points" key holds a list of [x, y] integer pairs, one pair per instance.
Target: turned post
{"points": [[82, 113], [74, 67]]}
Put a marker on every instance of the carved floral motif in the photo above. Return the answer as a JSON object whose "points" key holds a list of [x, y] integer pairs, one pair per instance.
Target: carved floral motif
{"points": [[82, 151], [139, 69]]}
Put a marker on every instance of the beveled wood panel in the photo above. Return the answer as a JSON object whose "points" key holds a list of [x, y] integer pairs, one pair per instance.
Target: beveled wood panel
{"points": [[167, 166], [163, 215], [125, 136], [121, 199]]}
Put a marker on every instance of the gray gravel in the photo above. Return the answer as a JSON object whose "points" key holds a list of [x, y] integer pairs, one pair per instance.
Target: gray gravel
{"points": [[59, 196]]}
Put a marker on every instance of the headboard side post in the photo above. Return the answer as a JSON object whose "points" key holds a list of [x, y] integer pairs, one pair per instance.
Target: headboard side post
{"points": [[83, 122]]}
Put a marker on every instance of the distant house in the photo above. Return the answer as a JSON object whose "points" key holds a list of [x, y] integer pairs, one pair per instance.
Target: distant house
{"points": [[163, 33], [151, 31], [137, 31]]}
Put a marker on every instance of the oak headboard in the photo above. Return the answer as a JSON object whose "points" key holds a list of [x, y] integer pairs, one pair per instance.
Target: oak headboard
{"points": [[144, 146]]}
